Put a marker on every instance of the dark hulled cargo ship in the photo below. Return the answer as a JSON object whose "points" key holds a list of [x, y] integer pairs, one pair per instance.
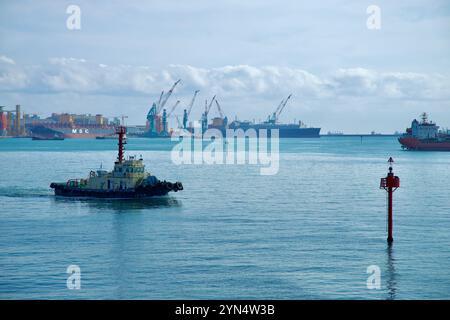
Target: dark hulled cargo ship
{"points": [[284, 130], [425, 136], [128, 180], [69, 131], [292, 130]]}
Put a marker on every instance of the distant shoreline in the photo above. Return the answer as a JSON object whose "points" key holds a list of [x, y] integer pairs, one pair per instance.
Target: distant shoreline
{"points": [[361, 135], [321, 135]]}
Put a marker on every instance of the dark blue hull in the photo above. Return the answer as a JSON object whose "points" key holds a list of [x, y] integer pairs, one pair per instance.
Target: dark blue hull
{"points": [[162, 188], [284, 131]]}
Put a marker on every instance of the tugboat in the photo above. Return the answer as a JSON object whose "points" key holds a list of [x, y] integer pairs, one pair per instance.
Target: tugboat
{"points": [[127, 180], [425, 136]]}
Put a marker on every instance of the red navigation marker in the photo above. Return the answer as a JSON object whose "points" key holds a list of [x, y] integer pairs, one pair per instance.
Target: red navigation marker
{"points": [[390, 184]]}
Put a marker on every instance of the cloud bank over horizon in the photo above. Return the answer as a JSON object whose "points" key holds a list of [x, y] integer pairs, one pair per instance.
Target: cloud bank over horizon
{"points": [[72, 75], [242, 86], [252, 54]]}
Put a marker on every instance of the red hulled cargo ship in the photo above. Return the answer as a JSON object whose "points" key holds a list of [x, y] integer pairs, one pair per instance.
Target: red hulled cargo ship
{"points": [[425, 136]]}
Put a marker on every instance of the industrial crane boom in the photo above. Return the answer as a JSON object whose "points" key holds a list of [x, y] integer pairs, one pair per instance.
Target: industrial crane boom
{"points": [[160, 98], [173, 108], [220, 109], [169, 93], [210, 105], [279, 106], [178, 121], [283, 105], [192, 102]]}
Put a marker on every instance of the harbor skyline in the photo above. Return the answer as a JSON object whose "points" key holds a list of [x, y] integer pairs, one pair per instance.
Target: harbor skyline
{"points": [[343, 75]]}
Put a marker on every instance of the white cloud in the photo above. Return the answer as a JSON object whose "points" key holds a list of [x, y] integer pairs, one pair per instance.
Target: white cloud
{"points": [[82, 76], [12, 77], [7, 60], [406, 85]]}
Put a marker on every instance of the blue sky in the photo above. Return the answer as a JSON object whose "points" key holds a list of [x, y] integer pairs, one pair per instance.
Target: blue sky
{"points": [[252, 54]]}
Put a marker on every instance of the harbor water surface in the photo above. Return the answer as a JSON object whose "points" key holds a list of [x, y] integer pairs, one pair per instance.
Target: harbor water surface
{"points": [[308, 232]]}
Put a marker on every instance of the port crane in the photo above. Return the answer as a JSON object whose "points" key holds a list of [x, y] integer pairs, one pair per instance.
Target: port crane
{"points": [[187, 112], [156, 108], [219, 109], [204, 119], [160, 98], [167, 96], [274, 118], [167, 115], [173, 108], [178, 121], [207, 109], [225, 119]]}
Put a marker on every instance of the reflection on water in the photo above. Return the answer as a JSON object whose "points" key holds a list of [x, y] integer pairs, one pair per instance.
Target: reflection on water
{"points": [[391, 283], [123, 205]]}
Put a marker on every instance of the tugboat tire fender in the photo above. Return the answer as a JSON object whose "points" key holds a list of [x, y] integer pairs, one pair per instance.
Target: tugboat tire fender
{"points": [[169, 185], [178, 186]]}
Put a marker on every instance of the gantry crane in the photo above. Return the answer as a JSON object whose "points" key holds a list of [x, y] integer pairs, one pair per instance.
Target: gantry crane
{"points": [[156, 108], [167, 115], [276, 114], [204, 119], [224, 118], [178, 121], [167, 96], [187, 112], [173, 108], [219, 109]]}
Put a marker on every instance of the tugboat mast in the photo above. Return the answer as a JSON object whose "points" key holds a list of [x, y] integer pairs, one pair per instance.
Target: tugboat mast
{"points": [[121, 131]]}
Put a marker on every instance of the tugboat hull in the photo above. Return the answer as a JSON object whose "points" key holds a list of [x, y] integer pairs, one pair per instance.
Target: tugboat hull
{"points": [[161, 188]]}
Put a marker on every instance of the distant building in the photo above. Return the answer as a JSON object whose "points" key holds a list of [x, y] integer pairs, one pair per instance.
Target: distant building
{"points": [[3, 122], [11, 122], [78, 119]]}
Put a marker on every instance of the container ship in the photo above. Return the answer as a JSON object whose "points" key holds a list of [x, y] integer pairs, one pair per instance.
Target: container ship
{"points": [[425, 136], [63, 131], [67, 126]]}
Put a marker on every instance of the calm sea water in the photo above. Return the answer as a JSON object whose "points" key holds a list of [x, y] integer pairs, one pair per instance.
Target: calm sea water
{"points": [[309, 232]]}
